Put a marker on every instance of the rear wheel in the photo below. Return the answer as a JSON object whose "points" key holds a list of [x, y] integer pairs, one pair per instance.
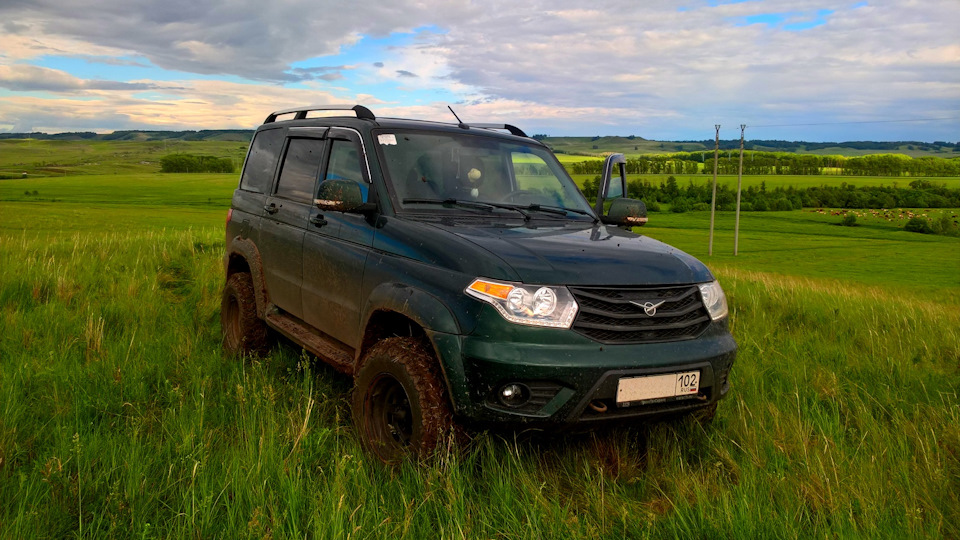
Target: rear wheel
{"points": [[243, 331], [400, 404]]}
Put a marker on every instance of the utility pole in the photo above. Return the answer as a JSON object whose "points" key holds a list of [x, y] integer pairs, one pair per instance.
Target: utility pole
{"points": [[736, 227], [713, 202]]}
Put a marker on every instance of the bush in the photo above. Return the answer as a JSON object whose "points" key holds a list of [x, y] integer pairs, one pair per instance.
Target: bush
{"points": [[780, 205], [918, 225], [654, 207], [761, 205], [945, 226], [849, 220], [188, 163], [680, 205], [701, 206], [745, 206]]}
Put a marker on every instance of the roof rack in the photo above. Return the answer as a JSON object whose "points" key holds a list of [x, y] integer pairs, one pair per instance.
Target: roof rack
{"points": [[514, 130], [362, 112]]}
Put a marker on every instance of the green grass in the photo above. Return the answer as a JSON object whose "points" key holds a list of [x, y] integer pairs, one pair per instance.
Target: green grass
{"points": [[121, 417]]}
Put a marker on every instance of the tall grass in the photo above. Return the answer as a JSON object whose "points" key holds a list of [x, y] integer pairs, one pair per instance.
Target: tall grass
{"points": [[120, 417]]}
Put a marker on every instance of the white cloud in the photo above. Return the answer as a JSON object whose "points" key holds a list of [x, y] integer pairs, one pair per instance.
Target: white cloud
{"points": [[648, 68]]}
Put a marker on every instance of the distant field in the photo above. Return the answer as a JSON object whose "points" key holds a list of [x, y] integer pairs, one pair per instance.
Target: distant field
{"points": [[776, 180], [638, 147], [64, 158]]}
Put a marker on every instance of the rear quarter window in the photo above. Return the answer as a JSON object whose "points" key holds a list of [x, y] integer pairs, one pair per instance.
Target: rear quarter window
{"points": [[262, 161]]}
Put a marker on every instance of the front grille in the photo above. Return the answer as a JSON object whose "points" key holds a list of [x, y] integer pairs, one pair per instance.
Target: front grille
{"points": [[611, 315]]}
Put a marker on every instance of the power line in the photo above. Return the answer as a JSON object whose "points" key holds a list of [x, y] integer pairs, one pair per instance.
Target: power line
{"points": [[858, 122]]}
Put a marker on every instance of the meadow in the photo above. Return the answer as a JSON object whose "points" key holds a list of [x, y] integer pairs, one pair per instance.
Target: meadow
{"points": [[121, 417]]}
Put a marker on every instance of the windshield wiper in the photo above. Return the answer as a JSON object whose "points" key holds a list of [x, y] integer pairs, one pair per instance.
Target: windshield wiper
{"points": [[560, 210], [489, 206]]}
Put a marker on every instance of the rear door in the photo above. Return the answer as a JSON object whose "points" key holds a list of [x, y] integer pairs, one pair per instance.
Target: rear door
{"points": [[285, 217], [256, 181], [336, 246]]}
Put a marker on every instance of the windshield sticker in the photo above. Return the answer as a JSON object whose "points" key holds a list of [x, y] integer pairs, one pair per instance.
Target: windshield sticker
{"points": [[387, 139]]}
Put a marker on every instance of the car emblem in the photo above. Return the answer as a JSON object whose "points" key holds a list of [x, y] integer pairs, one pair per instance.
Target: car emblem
{"points": [[649, 307]]}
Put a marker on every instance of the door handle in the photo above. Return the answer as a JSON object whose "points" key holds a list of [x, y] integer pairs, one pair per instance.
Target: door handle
{"points": [[271, 208], [318, 220]]}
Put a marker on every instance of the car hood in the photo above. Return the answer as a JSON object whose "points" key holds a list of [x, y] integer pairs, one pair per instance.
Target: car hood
{"points": [[577, 253]]}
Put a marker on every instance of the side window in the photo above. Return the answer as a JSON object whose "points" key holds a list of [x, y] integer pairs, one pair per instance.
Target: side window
{"points": [[301, 166], [344, 164], [262, 161]]}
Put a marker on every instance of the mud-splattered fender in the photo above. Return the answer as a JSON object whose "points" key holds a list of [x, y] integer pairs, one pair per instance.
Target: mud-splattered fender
{"points": [[420, 306], [246, 249]]}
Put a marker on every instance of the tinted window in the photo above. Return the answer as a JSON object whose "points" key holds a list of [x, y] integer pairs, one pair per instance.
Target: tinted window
{"points": [[301, 166], [344, 164], [262, 161]]}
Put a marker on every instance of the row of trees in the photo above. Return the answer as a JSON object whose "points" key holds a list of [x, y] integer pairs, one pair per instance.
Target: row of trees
{"points": [[920, 194], [760, 163], [189, 163]]}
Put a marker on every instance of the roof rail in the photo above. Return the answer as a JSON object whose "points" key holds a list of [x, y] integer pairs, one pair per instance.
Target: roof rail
{"points": [[362, 112], [514, 130]]}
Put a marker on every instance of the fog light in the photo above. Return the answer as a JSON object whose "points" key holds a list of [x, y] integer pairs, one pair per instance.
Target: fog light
{"points": [[514, 395]]}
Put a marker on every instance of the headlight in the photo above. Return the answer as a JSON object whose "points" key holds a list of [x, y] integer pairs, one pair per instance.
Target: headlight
{"points": [[527, 304], [714, 299]]}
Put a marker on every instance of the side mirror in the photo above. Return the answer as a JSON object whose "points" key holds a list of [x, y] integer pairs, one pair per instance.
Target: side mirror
{"points": [[342, 196], [613, 183], [627, 212]]}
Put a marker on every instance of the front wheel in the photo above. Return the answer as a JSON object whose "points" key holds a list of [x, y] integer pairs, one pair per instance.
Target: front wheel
{"points": [[400, 404]]}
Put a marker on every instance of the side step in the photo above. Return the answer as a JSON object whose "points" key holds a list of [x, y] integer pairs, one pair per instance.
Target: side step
{"points": [[326, 348]]}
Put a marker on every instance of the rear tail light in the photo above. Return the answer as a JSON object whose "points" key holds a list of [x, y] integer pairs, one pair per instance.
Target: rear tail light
{"points": [[229, 215]]}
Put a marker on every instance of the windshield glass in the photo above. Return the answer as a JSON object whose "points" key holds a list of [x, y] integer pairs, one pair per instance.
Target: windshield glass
{"points": [[426, 169]]}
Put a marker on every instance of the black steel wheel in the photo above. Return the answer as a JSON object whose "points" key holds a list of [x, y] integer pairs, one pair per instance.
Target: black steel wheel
{"points": [[400, 404], [243, 331]]}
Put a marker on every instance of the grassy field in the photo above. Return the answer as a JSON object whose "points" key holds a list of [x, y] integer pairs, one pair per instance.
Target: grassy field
{"points": [[121, 418], [67, 158]]}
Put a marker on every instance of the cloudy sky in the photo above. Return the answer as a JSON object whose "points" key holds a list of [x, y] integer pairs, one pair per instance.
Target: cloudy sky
{"points": [[818, 70]]}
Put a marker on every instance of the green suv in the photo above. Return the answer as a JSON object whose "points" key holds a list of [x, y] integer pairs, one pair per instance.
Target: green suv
{"points": [[459, 276]]}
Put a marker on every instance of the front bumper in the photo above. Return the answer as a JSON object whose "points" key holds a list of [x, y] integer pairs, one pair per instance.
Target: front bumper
{"points": [[572, 379]]}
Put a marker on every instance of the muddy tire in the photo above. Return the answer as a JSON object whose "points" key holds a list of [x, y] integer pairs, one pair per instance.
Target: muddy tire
{"points": [[400, 403], [243, 331]]}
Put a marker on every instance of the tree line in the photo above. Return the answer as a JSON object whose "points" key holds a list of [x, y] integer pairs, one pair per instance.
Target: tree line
{"points": [[189, 163], [780, 163], [920, 194]]}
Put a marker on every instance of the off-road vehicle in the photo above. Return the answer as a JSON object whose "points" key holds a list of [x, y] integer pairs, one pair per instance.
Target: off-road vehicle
{"points": [[459, 275]]}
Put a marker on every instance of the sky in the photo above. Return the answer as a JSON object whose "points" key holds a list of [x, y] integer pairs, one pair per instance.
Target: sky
{"points": [[813, 70]]}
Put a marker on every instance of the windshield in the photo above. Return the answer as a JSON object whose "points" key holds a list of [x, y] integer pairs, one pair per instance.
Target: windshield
{"points": [[445, 172]]}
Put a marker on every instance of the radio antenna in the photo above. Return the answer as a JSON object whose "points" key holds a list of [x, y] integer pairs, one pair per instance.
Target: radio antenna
{"points": [[460, 122]]}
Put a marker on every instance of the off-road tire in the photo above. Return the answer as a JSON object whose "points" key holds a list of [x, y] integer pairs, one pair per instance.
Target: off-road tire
{"points": [[400, 403], [243, 332]]}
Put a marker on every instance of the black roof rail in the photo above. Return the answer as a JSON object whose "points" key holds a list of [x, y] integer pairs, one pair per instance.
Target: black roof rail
{"points": [[362, 112], [514, 130]]}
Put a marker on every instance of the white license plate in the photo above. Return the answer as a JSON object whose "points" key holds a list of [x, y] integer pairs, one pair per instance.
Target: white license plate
{"points": [[658, 386]]}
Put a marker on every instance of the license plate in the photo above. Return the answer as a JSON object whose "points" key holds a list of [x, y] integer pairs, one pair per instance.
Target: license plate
{"points": [[658, 386]]}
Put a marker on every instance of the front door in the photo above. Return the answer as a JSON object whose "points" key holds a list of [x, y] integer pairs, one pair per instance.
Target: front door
{"points": [[336, 246]]}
